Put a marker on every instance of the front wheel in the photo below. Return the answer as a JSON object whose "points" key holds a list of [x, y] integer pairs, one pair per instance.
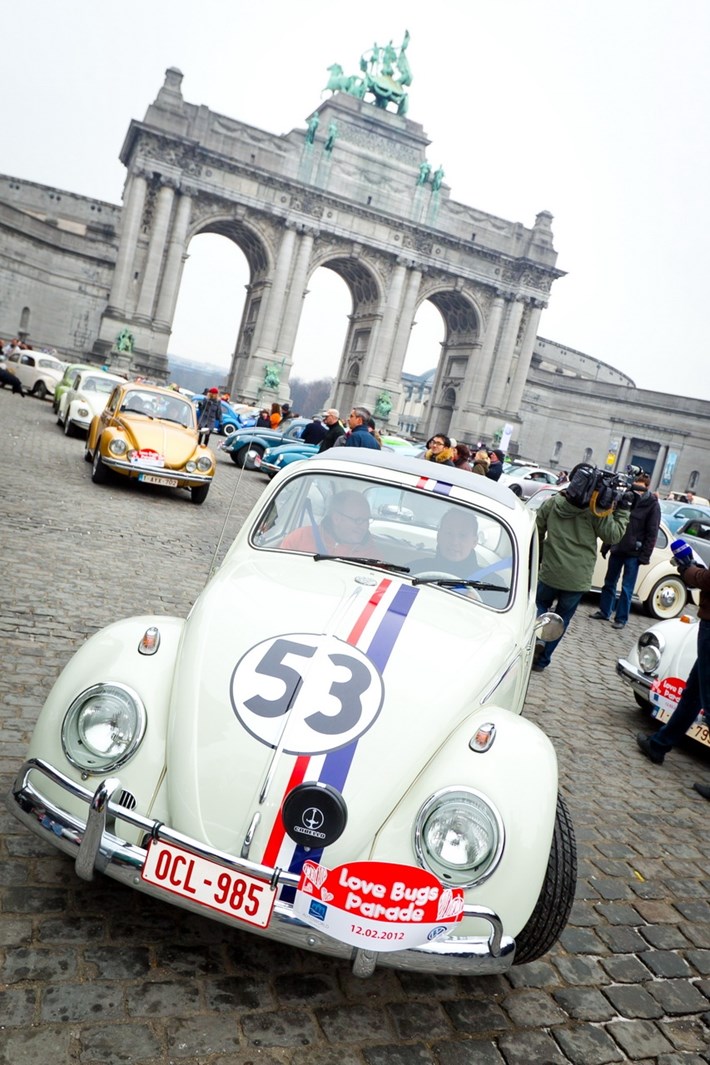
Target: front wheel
{"points": [[642, 703], [99, 472], [228, 429], [548, 919], [199, 495], [516, 490], [667, 599], [40, 390], [68, 427]]}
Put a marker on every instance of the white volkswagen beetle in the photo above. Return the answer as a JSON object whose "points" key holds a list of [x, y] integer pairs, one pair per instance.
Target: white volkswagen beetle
{"points": [[86, 397], [347, 771], [657, 668]]}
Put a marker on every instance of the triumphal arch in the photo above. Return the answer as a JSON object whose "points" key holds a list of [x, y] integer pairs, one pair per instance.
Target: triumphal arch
{"points": [[353, 191]]}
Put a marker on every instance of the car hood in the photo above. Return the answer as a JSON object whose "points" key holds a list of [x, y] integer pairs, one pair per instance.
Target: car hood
{"points": [[382, 673], [173, 442]]}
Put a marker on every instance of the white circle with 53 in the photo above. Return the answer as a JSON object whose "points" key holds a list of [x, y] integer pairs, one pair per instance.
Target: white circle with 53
{"points": [[306, 692]]}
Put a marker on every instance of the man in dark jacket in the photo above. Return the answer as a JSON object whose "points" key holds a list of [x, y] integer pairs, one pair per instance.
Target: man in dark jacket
{"points": [[496, 467], [334, 429], [360, 435], [633, 550], [314, 432], [696, 693]]}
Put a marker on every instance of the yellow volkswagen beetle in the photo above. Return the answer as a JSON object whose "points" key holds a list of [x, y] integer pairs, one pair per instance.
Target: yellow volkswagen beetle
{"points": [[150, 434]]}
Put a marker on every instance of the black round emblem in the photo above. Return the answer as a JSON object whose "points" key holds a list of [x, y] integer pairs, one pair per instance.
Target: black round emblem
{"points": [[314, 814]]}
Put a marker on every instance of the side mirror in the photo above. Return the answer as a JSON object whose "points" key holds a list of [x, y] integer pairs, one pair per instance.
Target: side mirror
{"points": [[549, 626]]}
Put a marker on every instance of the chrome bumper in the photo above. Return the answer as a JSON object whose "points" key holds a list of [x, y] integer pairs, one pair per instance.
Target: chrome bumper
{"points": [[185, 480], [94, 848], [633, 675]]}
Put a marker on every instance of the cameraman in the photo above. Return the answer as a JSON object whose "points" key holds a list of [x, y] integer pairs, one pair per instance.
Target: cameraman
{"points": [[633, 550], [696, 694], [568, 532]]}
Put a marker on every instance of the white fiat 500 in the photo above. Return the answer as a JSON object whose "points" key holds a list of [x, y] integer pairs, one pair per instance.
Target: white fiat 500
{"points": [[348, 772], [657, 668]]}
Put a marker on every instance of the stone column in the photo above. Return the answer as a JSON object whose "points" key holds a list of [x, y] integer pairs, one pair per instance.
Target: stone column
{"points": [[154, 259], [404, 327], [174, 263], [381, 351], [658, 467], [526, 351], [130, 227], [504, 354], [294, 301], [477, 372], [271, 319]]}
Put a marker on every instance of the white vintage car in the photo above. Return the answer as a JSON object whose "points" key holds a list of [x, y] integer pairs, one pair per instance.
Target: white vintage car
{"points": [[347, 771], [657, 667], [86, 397]]}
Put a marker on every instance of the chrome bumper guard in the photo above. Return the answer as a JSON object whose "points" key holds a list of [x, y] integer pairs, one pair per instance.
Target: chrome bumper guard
{"points": [[633, 675], [191, 480], [93, 847]]}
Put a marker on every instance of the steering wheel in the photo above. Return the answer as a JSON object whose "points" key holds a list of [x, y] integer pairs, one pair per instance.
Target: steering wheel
{"points": [[438, 575]]}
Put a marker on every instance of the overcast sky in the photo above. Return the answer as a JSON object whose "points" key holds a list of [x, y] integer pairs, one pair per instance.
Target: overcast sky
{"points": [[595, 110]]}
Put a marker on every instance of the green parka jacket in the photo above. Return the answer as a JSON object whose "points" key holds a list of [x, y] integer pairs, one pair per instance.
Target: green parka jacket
{"points": [[568, 542]]}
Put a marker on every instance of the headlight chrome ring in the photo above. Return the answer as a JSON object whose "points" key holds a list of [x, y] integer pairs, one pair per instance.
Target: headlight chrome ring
{"points": [[649, 649], [103, 727], [459, 836]]}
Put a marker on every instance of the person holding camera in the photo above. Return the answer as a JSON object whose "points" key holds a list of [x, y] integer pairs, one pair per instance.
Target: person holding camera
{"points": [[633, 550], [696, 693], [569, 525]]}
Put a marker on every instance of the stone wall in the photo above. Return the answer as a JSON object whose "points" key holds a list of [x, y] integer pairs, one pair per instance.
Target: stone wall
{"points": [[58, 255]]}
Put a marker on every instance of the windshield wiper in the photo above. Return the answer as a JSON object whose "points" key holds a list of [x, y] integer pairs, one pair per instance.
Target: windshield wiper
{"points": [[365, 561], [454, 582]]}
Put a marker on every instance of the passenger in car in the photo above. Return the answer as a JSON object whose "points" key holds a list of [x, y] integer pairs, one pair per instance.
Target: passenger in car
{"points": [[345, 530], [456, 543]]}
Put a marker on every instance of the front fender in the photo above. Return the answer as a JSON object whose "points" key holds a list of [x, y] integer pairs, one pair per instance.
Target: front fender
{"points": [[518, 776], [112, 655]]}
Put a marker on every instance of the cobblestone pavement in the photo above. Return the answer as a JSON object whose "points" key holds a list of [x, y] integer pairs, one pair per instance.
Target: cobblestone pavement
{"points": [[98, 975]]}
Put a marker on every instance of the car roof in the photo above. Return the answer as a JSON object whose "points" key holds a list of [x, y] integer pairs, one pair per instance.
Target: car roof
{"points": [[391, 460]]}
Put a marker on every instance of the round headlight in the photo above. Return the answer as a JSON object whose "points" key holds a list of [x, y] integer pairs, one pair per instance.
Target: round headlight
{"points": [[118, 446], [459, 836], [649, 649], [204, 463], [191, 466], [103, 727]]}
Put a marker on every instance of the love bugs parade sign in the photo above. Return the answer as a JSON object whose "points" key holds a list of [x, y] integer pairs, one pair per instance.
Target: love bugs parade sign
{"points": [[377, 905]]}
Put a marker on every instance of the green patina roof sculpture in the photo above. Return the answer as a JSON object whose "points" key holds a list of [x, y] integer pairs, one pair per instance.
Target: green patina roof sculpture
{"points": [[384, 75]]}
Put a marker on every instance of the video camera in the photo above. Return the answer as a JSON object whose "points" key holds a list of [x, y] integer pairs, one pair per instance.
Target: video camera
{"points": [[602, 490]]}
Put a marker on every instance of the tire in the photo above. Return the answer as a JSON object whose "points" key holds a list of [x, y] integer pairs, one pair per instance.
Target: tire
{"points": [[40, 390], [642, 703], [667, 599], [99, 473], [87, 455], [516, 490], [228, 429], [68, 427], [199, 495], [548, 919]]}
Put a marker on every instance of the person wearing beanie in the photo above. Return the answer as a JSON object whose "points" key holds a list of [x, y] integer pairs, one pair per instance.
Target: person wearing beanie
{"points": [[210, 413]]}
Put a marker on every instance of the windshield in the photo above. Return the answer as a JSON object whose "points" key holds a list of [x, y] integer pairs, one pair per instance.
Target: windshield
{"points": [[99, 384], [421, 533], [153, 405]]}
